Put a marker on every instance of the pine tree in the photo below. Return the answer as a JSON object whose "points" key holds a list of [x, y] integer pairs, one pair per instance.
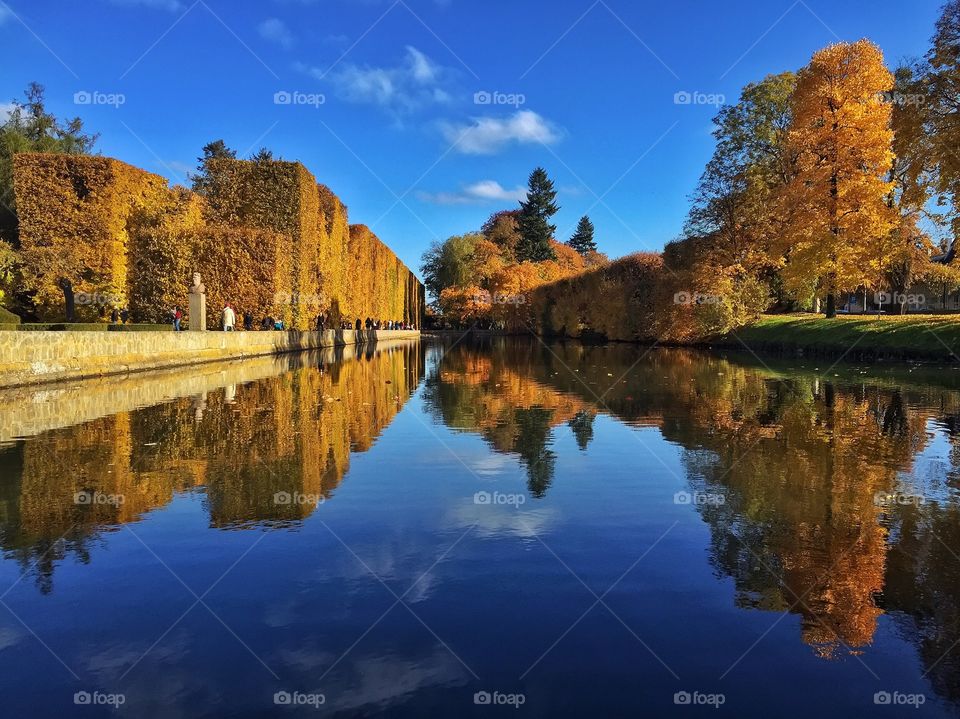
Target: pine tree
{"points": [[216, 150], [582, 240], [535, 213]]}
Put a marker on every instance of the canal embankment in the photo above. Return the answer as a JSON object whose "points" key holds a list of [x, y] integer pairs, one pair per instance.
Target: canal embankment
{"points": [[36, 357]]}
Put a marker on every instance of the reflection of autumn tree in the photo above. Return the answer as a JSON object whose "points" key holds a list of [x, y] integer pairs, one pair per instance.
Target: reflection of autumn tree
{"points": [[798, 461], [494, 393], [290, 434], [922, 588]]}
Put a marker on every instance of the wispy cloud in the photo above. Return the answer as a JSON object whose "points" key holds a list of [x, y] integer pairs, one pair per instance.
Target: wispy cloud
{"points": [[275, 30], [488, 135], [5, 14], [477, 193], [415, 82], [168, 5]]}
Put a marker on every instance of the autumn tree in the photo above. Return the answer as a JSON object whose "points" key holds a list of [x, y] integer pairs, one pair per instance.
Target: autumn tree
{"points": [[534, 220], [732, 203], [941, 85], [503, 229], [582, 240], [30, 127], [835, 205]]}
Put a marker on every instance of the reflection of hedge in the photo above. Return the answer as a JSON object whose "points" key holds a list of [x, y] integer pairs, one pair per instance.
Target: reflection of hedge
{"points": [[265, 237], [73, 213]]}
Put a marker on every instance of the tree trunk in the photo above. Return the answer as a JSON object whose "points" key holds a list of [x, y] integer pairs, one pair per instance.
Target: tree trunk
{"points": [[831, 305]]}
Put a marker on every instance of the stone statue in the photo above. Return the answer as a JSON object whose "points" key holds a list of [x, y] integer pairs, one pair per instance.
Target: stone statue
{"points": [[198, 305], [198, 287]]}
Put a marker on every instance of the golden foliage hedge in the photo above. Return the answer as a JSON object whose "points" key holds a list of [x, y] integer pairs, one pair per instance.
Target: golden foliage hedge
{"points": [[265, 237], [74, 213]]}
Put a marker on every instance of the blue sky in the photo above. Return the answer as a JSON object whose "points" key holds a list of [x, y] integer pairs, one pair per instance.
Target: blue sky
{"points": [[426, 115]]}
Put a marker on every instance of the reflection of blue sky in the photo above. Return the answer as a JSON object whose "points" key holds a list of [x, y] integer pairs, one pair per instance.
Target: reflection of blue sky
{"points": [[932, 467]]}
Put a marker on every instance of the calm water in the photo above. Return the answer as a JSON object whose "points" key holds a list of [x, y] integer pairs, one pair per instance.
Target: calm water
{"points": [[595, 531]]}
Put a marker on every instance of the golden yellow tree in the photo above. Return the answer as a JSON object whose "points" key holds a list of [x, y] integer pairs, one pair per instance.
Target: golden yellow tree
{"points": [[835, 205]]}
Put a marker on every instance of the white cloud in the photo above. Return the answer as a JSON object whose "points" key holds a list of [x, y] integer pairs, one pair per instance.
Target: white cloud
{"points": [[168, 5], [274, 30], [415, 82], [5, 107], [478, 192], [488, 135]]}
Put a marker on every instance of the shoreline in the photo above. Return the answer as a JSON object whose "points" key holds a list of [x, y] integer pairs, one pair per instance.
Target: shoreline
{"points": [[39, 357]]}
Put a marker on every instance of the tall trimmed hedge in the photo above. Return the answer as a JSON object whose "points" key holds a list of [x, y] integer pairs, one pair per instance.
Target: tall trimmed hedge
{"points": [[265, 236], [74, 214]]}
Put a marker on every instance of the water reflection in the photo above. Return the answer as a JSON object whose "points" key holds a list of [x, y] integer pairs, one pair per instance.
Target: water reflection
{"points": [[832, 499], [826, 494], [263, 452]]}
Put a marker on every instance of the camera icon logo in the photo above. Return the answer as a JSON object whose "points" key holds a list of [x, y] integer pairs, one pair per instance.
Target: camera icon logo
{"points": [[282, 498], [482, 498], [882, 698], [682, 498], [282, 97], [83, 498], [282, 698], [82, 698], [682, 98], [482, 698], [682, 698], [82, 98], [482, 98]]}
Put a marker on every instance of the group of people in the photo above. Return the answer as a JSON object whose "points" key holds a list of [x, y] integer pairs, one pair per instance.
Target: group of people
{"points": [[119, 316], [322, 322]]}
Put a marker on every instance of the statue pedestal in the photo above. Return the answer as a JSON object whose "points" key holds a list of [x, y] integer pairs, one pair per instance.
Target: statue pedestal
{"points": [[198, 312]]}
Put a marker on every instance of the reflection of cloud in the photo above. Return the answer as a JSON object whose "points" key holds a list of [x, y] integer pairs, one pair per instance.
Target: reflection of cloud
{"points": [[387, 680], [9, 637], [502, 520], [493, 464]]}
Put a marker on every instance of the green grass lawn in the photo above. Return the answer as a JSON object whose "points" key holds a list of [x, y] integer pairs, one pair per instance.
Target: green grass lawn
{"points": [[933, 337]]}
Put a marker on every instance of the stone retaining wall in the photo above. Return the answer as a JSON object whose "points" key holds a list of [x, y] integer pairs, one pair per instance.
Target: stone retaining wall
{"points": [[34, 357]]}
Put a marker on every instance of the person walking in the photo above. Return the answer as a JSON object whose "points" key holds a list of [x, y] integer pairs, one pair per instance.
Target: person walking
{"points": [[114, 316], [124, 315], [248, 320], [229, 318], [176, 315]]}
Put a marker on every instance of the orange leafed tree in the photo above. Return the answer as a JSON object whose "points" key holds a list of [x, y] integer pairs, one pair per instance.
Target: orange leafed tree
{"points": [[835, 206]]}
